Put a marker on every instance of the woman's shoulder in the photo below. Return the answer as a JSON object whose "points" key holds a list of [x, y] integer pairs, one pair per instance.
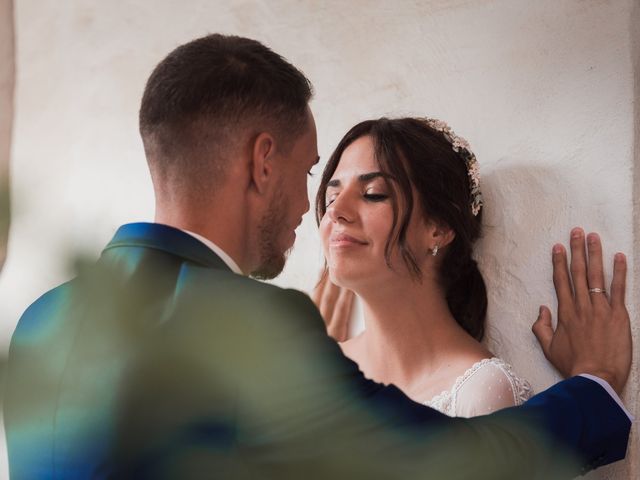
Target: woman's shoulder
{"points": [[489, 385], [492, 372]]}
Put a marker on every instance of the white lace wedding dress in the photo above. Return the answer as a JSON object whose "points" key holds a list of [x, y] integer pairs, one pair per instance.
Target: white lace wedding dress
{"points": [[487, 386]]}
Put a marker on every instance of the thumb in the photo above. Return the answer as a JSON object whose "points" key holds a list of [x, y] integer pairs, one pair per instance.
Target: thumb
{"points": [[543, 330]]}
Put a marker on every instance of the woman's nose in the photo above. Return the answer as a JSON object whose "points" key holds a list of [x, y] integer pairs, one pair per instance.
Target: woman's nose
{"points": [[341, 209]]}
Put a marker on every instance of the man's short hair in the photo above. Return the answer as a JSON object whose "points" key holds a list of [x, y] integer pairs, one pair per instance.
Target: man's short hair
{"points": [[208, 93]]}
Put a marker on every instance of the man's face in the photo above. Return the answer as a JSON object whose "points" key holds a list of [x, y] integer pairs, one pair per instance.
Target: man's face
{"points": [[290, 200]]}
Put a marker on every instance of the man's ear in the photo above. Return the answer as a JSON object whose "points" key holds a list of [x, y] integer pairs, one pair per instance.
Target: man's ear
{"points": [[261, 162]]}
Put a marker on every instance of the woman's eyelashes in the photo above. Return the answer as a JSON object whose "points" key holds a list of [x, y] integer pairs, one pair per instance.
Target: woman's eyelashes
{"points": [[368, 196], [376, 197], [329, 200]]}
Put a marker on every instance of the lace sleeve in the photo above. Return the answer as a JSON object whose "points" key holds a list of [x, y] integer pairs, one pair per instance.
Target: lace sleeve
{"points": [[490, 386]]}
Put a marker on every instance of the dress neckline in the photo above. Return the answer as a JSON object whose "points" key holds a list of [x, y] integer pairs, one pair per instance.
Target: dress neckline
{"points": [[463, 378]]}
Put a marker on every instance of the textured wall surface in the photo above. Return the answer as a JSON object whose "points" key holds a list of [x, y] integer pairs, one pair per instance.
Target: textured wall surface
{"points": [[546, 93], [633, 390]]}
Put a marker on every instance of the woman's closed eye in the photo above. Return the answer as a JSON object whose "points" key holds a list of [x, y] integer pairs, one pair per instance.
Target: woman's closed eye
{"points": [[368, 196], [330, 199], [376, 197]]}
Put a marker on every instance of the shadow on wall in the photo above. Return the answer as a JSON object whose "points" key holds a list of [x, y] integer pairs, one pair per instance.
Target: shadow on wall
{"points": [[525, 207]]}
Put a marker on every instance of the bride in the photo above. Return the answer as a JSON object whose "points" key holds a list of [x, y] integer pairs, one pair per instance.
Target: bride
{"points": [[399, 208]]}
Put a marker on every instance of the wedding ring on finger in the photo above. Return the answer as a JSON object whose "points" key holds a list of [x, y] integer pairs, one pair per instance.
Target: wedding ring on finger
{"points": [[597, 290]]}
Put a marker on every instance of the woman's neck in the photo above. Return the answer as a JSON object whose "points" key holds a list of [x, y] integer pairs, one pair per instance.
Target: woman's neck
{"points": [[410, 335]]}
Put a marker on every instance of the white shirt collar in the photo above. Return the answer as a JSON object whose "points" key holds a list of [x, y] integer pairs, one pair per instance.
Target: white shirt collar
{"points": [[217, 250]]}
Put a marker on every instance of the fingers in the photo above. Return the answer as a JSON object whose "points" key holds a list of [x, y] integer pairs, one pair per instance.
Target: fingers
{"points": [[344, 304], [335, 305], [342, 315], [579, 268], [328, 300], [595, 270], [543, 330], [561, 279], [619, 281], [318, 290]]}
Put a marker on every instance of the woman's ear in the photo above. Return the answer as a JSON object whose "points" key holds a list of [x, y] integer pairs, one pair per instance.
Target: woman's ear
{"points": [[261, 162], [439, 235]]}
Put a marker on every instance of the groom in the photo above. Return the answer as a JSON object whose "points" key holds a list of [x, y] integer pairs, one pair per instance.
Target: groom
{"points": [[165, 360]]}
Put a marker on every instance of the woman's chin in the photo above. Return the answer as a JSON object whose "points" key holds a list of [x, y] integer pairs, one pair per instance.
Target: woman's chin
{"points": [[344, 279]]}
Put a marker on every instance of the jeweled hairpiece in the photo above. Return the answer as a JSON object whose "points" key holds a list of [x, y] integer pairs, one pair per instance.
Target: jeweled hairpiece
{"points": [[461, 147]]}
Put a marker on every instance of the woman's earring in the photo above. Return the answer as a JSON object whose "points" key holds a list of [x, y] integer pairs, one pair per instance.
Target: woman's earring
{"points": [[434, 251]]}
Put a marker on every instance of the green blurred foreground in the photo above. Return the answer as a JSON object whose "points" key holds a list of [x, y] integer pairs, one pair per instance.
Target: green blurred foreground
{"points": [[141, 369]]}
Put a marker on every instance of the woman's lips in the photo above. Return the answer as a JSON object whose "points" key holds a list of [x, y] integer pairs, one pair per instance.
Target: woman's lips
{"points": [[344, 240]]}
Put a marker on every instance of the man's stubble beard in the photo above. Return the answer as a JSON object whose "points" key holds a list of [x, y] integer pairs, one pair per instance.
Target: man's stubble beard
{"points": [[272, 225]]}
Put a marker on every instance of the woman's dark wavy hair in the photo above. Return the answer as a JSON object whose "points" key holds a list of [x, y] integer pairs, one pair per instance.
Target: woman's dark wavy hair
{"points": [[414, 154]]}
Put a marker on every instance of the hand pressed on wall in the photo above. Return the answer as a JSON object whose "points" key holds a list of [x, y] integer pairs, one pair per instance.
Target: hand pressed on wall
{"points": [[593, 334], [335, 304]]}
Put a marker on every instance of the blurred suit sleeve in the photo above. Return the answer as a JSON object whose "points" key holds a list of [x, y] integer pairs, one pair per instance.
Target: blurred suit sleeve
{"points": [[241, 381]]}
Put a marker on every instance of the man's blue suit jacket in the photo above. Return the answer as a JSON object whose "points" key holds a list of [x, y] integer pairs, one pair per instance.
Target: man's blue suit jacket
{"points": [[159, 362]]}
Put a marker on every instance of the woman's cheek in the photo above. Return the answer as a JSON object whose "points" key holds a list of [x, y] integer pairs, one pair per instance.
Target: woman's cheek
{"points": [[324, 234]]}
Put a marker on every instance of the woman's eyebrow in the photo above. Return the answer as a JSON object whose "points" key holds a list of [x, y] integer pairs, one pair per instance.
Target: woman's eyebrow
{"points": [[365, 177]]}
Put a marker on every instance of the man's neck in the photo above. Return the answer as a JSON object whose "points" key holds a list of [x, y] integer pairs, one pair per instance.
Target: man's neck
{"points": [[223, 229], [226, 258]]}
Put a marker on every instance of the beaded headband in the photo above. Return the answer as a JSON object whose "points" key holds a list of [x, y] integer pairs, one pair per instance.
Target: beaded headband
{"points": [[462, 148]]}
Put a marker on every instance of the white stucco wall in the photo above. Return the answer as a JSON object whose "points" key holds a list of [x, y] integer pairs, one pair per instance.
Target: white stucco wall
{"points": [[544, 91]]}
